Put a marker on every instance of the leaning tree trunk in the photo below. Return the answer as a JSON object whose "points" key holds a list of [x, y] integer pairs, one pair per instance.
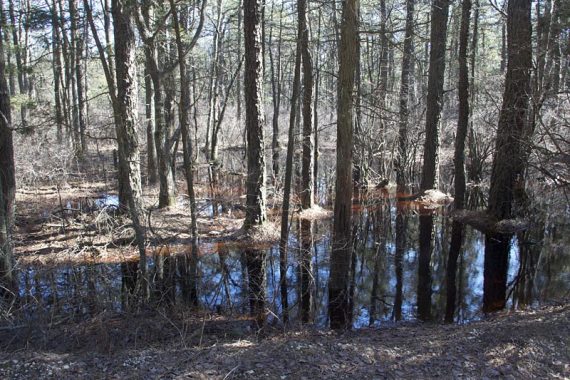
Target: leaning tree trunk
{"points": [[341, 255], [507, 177], [7, 182]]}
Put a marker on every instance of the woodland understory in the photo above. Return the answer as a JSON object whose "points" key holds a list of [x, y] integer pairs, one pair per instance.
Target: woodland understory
{"points": [[293, 189]]}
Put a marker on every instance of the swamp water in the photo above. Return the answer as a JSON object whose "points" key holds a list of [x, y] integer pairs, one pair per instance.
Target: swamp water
{"points": [[387, 279]]}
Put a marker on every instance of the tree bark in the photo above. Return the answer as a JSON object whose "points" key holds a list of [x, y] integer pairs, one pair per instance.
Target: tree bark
{"points": [[126, 127], [438, 38], [402, 160], [253, 85], [307, 188], [7, 182], [184, 116], [341, 255], [459, 159], [507, 177]]}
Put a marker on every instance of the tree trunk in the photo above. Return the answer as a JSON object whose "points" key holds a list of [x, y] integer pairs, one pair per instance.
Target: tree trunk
{"points": [[80, 79], [341, 255], [20, 53], [402, 160], [459, 159], [289, 174], [276, 91], [150, 129], [184, 116], [57, 72], [253, 84], [127, 138], [507, 177], [307, 188], [7, 182], [438, 38]]}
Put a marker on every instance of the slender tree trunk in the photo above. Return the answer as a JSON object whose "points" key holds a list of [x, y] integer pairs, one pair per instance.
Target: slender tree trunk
{"points": [[213, 83], [307, 188], [402, 161], [184, 115], [150, 129], [341, 255], [20, 53], [80, 79], [276, 91], [289, 173], [57, 71], [7, 182], [459, 159]]}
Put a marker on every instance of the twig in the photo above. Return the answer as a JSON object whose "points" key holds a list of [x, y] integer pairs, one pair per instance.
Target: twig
{"points": [[229, 373]]}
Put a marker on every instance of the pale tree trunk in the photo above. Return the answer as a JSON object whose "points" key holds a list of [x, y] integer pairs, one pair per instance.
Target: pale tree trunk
{"points": [[184, 116], [275, 61], [126, 127], [150, 129], [79, 77], [341, 255], [162, 138], [213, 84], [7, 183], [402, 160]]}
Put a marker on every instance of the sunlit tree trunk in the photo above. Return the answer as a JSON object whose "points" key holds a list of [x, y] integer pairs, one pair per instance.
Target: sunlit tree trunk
{"points": [[253, 84], [126, 128], [275, 61], [184, 116], [402, 160], [7, 182]]}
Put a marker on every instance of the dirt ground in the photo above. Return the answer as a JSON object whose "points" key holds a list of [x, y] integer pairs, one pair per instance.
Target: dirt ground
{"points": [[516, 345]]}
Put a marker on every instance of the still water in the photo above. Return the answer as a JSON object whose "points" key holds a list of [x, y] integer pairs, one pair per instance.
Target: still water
{"points": [[385, 273]]}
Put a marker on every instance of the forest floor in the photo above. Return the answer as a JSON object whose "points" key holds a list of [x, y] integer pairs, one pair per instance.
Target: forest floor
{"points": [[181, 343], [514, 345]]}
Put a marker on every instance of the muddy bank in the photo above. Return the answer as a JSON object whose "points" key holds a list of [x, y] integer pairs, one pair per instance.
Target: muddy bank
{"points": [[529, 344]]}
